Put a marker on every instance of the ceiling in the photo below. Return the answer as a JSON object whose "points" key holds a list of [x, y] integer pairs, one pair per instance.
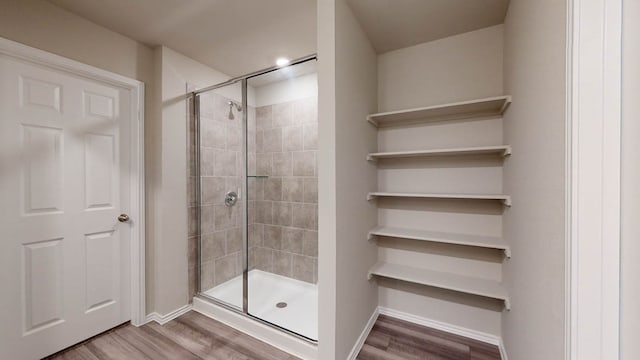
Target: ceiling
{"points": [[235, 37], [394, 24], [286, 73], [238, 37]]}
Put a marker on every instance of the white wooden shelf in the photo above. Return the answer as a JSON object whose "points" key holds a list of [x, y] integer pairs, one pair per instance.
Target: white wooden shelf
{"points": [[441, 237], [464, 284], [505, 199], [493, 106], [501, 150]]}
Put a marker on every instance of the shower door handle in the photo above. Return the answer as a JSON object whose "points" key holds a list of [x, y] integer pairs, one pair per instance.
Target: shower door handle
{"points": [[231, 198]]}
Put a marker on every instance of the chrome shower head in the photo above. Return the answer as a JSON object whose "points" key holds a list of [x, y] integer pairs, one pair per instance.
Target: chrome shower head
{"points": [[233, 104]]}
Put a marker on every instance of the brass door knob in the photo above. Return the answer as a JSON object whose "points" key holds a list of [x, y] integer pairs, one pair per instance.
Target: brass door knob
{"points": [[123, 218]]}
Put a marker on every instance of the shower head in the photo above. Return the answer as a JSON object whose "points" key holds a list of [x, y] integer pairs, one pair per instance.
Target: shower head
{"points": [[233, 104]]}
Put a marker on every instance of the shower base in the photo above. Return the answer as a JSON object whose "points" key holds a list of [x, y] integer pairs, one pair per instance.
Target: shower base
{"points": [[286, 302]]}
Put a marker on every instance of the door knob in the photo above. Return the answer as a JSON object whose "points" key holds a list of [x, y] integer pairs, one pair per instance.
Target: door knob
{"points": [[123, 218]]}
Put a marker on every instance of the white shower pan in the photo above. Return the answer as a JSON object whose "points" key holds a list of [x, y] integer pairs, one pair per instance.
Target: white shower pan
{"points": [[266, 291]]}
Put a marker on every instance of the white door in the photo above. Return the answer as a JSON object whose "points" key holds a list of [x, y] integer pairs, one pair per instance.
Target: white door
{"points": [[64, 170]]}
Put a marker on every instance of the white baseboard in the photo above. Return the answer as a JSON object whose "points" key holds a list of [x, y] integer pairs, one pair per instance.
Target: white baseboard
{"points": [[163, 319], [363, 336], [453, 329], [503, 350]]}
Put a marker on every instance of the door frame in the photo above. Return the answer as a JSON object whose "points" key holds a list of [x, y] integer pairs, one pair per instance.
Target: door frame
{"points": [[593, 174], [137, 186]]}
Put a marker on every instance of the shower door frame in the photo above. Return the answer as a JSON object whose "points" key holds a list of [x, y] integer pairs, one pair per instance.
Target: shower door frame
{"points": [[194, 98]]}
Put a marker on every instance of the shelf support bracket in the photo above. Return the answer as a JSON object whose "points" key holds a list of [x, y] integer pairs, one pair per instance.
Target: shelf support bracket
{"points": [[507, 304]]}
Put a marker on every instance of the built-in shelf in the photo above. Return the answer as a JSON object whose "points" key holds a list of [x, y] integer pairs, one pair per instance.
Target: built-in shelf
{"points": [[505, 199], [258, 176], [464, 284], [501, 150], [493, 106], [441, 237]]}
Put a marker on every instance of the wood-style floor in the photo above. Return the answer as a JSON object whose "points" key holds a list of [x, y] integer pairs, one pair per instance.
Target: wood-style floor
{"points": [[393, 339], [194, 336], [191, 336]]}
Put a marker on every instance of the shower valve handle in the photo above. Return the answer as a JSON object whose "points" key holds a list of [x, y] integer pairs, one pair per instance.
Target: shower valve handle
{"points": [[231, 198]]}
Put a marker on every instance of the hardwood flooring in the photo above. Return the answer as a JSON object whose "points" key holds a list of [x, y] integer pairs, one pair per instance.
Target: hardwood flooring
{"points": [[191, 336], [393, 339]]}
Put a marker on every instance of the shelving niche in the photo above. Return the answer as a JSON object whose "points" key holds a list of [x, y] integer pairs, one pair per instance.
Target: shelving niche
{"points": [[471, 110]]}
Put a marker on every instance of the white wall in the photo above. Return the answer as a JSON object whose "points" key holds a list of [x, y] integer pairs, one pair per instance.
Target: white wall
{"points": [[460, 67], [630, 246], [327, 180], [170, 232], [286, 90], [356, 79], [534, 59], [347, 83], [45, 26]]}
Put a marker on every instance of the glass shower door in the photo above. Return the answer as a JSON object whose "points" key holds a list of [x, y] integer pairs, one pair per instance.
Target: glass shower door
{"points": [[282, 198], [219, 189]]}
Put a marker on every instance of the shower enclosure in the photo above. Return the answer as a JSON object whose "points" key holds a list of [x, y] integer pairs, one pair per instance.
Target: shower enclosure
{"points": [[253, 184]]}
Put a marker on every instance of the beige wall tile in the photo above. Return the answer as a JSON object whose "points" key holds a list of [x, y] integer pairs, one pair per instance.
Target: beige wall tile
{"points": [[212, 190], [224, 163], [256, 234], [207, 222], [282, 114], [263, 164], [261, 258], [292, 240], [310, 243], [234, 240], [282, 263], [213, 134], [207, 275], [207, 159], [272, 237], [272, 140], [225, 268], [292, 138], [260, 141], [263, 117], [311, 190], [234, 137], [292, 189], [303, 268], [304, 163], [310, 137], [273, 189], [305, 110], [224, 217], [212, 246], [193, 222], [304, 216], [264, 212], [282, 213], [281, 165]]}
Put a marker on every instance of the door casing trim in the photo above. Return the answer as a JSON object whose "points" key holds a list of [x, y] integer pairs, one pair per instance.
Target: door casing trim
{"points": [[137, 200]]}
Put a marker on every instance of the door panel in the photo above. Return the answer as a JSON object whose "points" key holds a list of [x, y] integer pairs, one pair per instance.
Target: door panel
{"points": [[64, 179]]}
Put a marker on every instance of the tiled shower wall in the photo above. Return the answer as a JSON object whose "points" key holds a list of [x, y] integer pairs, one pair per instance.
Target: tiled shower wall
{"points": [[283, 207], [220, 170], [283, 182]]}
